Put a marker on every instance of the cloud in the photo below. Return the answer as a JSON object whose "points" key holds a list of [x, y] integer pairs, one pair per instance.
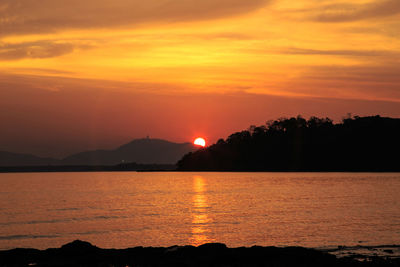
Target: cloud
{"points": [[351, 12], [344, 52], [376, 82], [389, 29], [29, 16], [48, 80], [40, 49], [383, 74]]}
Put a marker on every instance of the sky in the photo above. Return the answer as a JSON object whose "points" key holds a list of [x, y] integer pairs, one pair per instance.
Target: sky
{"points": [[78, 75]]}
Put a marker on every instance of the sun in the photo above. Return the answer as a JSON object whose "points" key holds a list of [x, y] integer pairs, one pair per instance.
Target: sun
{"points": [[200, 142]]}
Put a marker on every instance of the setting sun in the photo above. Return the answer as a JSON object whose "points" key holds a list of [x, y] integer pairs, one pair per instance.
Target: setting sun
{"points": [[200, 142]]}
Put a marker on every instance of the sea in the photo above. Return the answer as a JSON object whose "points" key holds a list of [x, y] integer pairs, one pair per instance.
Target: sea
{"points": [[129, 209]]}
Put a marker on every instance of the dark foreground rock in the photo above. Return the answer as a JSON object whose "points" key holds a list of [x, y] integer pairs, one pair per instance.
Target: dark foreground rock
{"points": [[79, 253]]}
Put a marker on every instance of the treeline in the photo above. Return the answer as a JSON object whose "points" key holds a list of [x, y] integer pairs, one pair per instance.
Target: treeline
{"points": [[297, 144]]}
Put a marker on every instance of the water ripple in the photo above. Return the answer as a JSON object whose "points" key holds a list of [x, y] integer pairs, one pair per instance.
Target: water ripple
{"points": [[13, 237], [100, 217]]}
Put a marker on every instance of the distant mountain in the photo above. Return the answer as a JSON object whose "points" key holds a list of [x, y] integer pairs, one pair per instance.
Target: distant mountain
{"points": [[141, 151], [15, 159]]}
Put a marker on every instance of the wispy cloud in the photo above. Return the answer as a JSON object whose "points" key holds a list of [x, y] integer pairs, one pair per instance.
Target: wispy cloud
{"points": [[354, 12], [29, 16], [390, 29], [375, 82], [338, 52], [382, 74], [40, 49]]}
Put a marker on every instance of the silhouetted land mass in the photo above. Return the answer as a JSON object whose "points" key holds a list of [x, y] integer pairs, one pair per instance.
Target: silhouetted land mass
{"points": [[296, 144], [88, 168], [149, 151], [142, 151], [17, 159], [79, 253]]}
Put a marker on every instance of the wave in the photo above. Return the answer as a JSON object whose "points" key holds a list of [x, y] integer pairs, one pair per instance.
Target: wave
{"points": [[94, 218], [14, 237]]}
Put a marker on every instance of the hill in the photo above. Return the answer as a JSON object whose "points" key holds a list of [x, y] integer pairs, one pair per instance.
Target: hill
{"points": [[140, 151], [143, 151], [296, 144], [15, 159]]}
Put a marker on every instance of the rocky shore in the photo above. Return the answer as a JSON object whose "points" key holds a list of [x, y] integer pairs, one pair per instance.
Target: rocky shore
{"points": [[80, 253]]}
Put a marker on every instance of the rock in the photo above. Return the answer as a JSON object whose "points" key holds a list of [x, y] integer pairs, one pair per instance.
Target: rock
{"points": [[213, 246], [80, 253], [78, 246]]}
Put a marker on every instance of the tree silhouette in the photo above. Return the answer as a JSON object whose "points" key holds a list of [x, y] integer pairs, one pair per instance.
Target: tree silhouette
{"points": [[297, 144]]}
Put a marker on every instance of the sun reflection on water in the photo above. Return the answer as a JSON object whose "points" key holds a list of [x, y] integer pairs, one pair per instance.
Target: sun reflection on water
{"points": [[200, 219]]}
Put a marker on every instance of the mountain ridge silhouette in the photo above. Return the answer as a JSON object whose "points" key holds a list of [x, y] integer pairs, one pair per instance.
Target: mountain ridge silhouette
{"points": [[142, 151]]}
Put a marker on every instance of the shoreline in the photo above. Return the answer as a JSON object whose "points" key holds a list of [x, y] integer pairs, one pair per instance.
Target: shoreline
{"points": [[81, 253], [54, 169]]}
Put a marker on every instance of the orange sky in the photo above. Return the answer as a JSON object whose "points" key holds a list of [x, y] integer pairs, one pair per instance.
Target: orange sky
{"points": [[87, 74]]}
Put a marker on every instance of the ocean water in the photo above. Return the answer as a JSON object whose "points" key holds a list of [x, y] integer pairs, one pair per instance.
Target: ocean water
{"points": [[128, 209]]}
